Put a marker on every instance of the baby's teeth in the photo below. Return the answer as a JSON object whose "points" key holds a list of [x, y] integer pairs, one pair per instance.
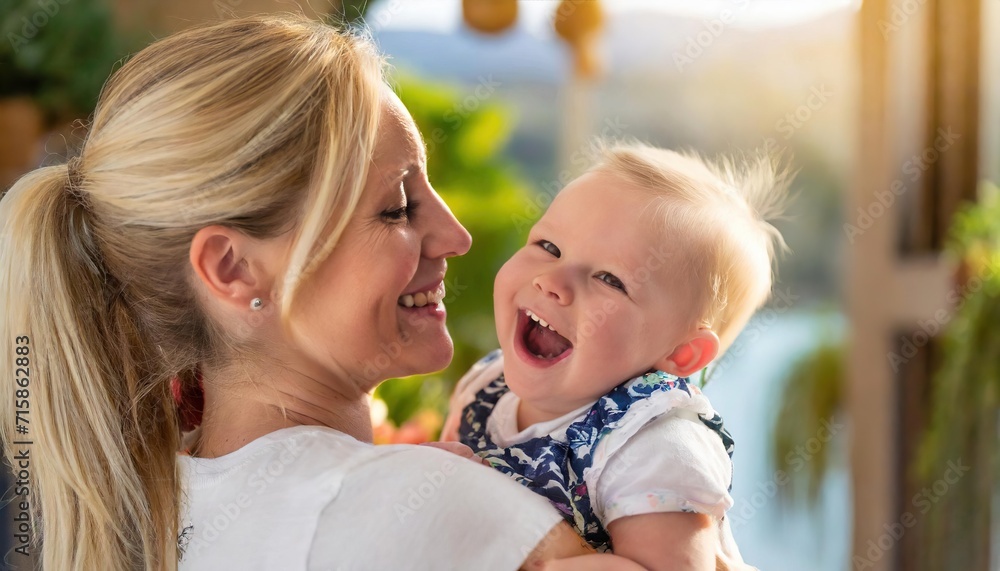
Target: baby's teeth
{"points": [[539, 320], [408, 300]]}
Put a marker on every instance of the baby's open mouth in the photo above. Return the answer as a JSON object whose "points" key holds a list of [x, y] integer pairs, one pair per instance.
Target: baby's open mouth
{"points": [[540, 338]]}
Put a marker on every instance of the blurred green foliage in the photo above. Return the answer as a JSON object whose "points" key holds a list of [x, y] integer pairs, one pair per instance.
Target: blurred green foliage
{"points": [[965, 393], [813, 394], [59, 53], [964, 403], [465, 134]]}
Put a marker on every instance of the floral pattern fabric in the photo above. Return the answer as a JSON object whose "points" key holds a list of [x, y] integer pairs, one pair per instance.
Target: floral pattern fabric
{"points": [[557, 469]]}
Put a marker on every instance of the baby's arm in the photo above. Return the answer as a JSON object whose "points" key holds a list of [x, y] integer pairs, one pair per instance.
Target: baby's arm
{"points": [[674, 540], [667, 540], [449, 432]]}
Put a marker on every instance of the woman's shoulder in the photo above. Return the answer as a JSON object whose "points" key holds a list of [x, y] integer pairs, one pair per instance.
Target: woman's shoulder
{"points": [[268, 495], [437, 510]]}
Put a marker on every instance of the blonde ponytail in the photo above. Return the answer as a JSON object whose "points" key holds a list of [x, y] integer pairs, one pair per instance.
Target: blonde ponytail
{"points": [[264, 124]]}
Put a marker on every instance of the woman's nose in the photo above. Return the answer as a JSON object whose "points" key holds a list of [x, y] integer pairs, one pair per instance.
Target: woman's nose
{"points": [[554, 284], [445, 237]]}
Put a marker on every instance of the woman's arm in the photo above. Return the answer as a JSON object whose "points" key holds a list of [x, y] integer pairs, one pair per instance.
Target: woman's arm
{"points": [[562, 544]]}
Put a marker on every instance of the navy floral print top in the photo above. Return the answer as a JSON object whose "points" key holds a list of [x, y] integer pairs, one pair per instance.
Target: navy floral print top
{"points": [[556, 469]]}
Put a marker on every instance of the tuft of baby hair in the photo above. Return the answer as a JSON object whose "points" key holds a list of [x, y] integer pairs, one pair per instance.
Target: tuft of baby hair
{"points": [[723, 211]]}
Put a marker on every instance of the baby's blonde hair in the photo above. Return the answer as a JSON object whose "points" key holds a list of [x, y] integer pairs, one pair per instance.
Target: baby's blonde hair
{"points": [[720, 213]]}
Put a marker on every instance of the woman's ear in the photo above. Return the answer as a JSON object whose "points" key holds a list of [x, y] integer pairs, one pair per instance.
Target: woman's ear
{"points": [[216, 255], [691, 356]]}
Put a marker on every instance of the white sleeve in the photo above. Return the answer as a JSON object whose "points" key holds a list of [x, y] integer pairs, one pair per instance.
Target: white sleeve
{"points": [[477, 377], [416, 507], [675, 463]]}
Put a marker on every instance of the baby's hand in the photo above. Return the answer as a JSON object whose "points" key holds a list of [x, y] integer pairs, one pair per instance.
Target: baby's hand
{"points": [[457, 448]]}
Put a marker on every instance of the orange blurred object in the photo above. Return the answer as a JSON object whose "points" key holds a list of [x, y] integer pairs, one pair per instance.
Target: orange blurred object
{"points": [[22, 125], [429, 420], [421, 427], [489, 16], [580, 22], [384, 433], [411, 433]]}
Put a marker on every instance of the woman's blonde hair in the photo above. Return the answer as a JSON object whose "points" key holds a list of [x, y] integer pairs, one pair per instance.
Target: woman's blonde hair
{"points": [[721, 215], [263, 124]]}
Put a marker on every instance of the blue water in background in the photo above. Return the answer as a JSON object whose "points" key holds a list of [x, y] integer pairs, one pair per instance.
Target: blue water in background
{"points": [[771, 536]]}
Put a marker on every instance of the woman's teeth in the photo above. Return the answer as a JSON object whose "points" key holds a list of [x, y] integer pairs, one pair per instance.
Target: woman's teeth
{"points": [[422, 298], [538, 319]]}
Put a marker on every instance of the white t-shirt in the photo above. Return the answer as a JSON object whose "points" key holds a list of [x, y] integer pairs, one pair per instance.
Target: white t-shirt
{"points": [[310, 497], [656, 462]]}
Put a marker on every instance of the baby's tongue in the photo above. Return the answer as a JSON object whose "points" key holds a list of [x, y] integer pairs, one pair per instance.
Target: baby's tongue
{"points": [[544, 342]]}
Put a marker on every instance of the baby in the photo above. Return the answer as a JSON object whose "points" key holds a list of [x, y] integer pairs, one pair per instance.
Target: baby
{"points": [[640, 273]]}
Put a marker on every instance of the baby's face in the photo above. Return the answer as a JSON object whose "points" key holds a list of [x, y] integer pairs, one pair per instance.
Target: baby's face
{"points": [[598, 273]]}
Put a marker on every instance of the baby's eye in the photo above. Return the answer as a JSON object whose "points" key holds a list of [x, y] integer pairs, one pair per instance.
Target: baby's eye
{"points": [[611, 280], [549, 247]]}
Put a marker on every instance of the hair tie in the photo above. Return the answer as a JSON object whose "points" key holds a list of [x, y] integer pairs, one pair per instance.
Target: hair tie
{"points": [[190, 401], [74, 176]]}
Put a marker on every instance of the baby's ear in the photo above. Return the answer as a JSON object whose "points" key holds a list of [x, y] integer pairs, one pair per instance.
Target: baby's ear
{"points": [[691, 356]]}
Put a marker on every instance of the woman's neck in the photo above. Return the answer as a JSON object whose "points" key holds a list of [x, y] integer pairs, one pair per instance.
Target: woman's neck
{"points": [[234, 417], [218, 437]]}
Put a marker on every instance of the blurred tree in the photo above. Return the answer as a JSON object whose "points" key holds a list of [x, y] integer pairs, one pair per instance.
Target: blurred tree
{"points": [[349, 12], [58, 53]]}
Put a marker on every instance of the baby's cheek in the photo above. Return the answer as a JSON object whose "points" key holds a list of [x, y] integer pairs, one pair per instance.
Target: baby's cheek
{"points": [[509, 276]]}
